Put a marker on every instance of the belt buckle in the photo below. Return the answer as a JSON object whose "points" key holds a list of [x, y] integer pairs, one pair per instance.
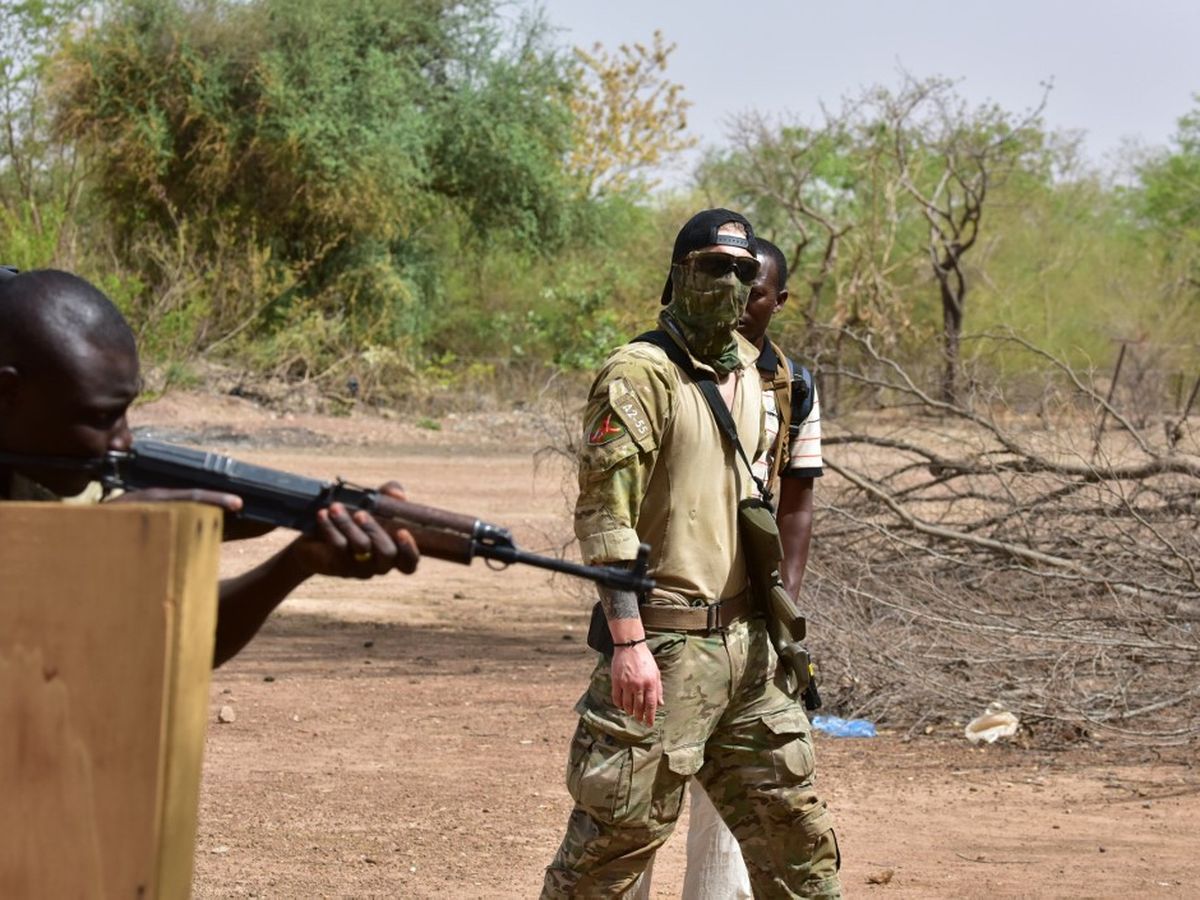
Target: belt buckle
{"points": [[713, 622]]}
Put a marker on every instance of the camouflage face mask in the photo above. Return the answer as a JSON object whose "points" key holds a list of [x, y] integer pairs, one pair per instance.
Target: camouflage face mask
{"points": [[707, 308]]}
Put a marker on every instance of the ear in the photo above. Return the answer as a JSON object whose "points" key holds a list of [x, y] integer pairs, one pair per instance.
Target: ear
{"points": [[781, 298]]}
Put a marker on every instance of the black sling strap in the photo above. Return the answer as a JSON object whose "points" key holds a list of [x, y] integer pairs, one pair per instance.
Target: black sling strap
{"points": [[712, 394]]}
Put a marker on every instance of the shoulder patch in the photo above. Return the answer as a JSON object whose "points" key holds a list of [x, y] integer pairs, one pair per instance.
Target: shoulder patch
{"points": [[604, 429], [630, 410], [606, 443]]}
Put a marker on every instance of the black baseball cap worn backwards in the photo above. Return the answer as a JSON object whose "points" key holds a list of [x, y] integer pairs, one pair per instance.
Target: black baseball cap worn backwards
{"points": [[702, 230]]}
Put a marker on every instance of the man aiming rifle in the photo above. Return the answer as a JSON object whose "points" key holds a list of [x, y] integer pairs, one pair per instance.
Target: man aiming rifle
{"points": [[68, 373]]}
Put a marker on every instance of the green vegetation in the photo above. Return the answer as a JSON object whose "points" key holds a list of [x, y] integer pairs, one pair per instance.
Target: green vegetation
{"points": [[423, 193]]}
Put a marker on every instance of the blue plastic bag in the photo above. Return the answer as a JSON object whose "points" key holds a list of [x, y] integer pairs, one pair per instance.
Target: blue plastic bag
{"points": [[836, 727]]}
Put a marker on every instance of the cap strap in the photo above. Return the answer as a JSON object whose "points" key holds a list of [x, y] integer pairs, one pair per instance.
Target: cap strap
{"points": [[730, 240]]}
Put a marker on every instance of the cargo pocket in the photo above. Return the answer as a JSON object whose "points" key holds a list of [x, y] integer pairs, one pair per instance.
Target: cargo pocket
{"points": [[598, 771], [791, 745], [687, 760], [683, 763], [610, 770]]}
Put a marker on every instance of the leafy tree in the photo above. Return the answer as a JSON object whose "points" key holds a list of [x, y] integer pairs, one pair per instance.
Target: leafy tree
{"points": [[629, 117], [502, 130], [1168, 200], [331, 137], [39, 178]]}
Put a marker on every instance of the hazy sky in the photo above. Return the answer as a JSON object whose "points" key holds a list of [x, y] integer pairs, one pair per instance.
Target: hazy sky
{"points": [[1120, 69]]}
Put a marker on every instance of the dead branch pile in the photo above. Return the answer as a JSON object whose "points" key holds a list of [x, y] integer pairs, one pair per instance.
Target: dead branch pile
{"points": [[966, 554]]}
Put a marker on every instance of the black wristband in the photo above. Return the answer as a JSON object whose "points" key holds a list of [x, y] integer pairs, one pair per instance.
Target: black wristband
{"points": [[632, 643]]}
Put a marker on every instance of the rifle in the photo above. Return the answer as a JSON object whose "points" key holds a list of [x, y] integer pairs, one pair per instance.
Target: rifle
{"points": [[286, 500]]}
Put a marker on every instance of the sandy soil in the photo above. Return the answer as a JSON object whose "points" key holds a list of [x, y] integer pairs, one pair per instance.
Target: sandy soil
{"points": [[406, 737]]}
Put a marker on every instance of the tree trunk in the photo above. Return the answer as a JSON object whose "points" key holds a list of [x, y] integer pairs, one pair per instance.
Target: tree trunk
{"points": [[952, 317]]}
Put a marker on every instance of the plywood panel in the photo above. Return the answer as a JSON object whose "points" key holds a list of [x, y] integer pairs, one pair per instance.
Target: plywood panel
{"points": [[106, 635]]}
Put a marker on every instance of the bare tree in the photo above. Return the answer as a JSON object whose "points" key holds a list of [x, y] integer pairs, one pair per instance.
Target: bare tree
{"points": [[948, 158], [829, 197], [786, 176], [858, 200]]}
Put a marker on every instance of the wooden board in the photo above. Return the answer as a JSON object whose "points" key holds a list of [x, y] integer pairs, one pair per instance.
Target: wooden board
{"points": [[107, 620]]}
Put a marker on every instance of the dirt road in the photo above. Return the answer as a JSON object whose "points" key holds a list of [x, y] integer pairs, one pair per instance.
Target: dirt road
{"points": [[406, 737]]}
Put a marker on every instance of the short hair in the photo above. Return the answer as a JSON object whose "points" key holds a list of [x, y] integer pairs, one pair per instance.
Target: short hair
{"points": [[45, 314], [769, 250]]}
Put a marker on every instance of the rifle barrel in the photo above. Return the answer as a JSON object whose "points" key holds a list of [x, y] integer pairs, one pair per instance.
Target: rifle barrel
{"points": [[609, 576]]}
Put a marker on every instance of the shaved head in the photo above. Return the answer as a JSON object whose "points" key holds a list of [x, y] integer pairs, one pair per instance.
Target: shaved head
{"points": [[68, 373], [48, 317]]}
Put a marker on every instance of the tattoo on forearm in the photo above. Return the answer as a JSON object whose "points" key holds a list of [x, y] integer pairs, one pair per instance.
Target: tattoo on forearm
{"points": [[618, 604]]}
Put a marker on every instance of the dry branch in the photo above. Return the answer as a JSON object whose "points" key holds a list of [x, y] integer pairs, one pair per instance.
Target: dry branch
{"points": [[972, 554]]}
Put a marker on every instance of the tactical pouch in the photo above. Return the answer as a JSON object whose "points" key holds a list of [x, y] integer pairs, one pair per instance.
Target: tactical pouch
{"points": [[599, 638], [763, 552], [761, 547]]}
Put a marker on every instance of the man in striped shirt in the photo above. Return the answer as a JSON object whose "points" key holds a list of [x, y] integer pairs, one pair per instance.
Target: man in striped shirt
{"points": [[796, 456]]}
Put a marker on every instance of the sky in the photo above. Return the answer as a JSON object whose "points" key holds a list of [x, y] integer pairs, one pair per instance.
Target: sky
{"points": [[1122, 71]]}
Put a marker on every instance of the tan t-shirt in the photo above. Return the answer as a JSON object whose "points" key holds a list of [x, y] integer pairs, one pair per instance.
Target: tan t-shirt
{"points": [[655, 469]]}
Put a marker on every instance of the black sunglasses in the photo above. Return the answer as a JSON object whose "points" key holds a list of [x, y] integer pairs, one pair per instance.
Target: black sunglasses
{"points": [[718, 265]]}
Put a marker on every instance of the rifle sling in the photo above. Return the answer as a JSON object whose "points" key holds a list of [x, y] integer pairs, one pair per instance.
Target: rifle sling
{"points": [[712, 394]]}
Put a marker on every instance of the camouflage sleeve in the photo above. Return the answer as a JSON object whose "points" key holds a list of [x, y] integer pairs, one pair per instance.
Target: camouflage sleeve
{"points": [[627, 412]]}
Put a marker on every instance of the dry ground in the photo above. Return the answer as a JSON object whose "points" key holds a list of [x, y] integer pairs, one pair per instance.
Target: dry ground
{"points": [[406, 737]]}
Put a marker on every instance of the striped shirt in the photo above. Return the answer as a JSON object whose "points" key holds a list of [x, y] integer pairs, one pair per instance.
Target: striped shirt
{"points": [[804, 451]]}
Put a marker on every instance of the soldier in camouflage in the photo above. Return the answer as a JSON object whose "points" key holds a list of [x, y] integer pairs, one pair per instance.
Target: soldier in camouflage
{"points": [[690, 687]]}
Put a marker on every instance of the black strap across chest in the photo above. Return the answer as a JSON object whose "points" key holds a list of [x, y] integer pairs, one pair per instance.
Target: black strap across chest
{"points": [[712, 394]]}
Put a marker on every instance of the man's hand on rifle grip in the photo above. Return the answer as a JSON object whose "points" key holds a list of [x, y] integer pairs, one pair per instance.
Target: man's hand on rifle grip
{"points": [[356, 545]]}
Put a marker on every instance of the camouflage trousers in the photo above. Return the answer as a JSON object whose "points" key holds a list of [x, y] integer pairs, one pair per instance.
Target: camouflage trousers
{"points": [[724, 720]]}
